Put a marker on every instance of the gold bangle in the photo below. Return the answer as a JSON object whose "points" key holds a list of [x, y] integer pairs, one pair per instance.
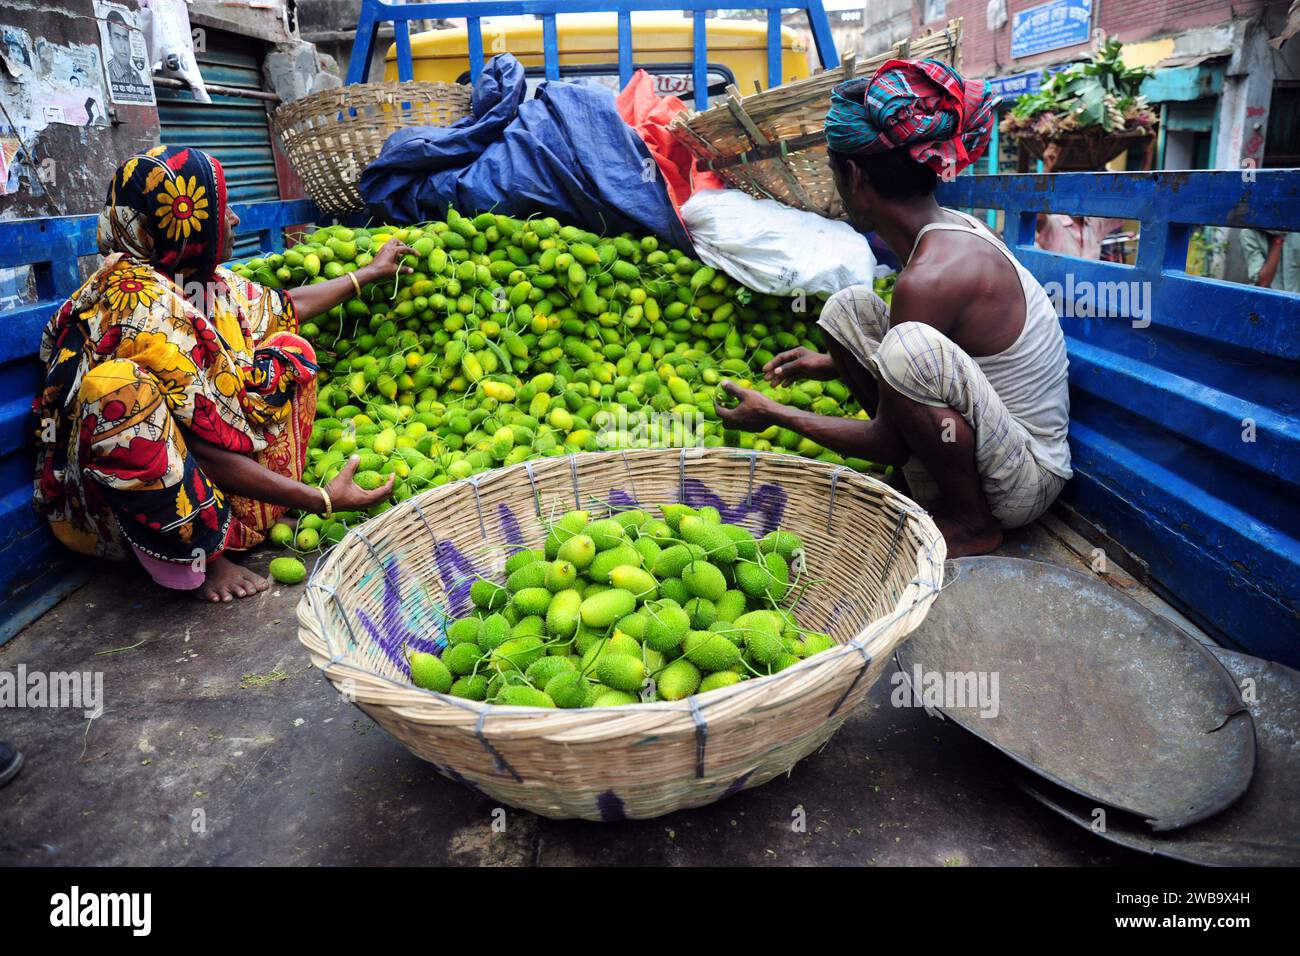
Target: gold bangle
{"points": [[355, 284], [329, 505]]}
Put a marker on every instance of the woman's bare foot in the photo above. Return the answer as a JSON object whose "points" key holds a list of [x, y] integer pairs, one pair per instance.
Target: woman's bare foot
{"points": [[964, 540], [227, 580]]}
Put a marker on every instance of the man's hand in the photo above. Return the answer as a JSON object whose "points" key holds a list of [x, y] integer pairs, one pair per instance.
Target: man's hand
{"points": [[800, 363], [385, 263], [346, 495], [753, 414]]}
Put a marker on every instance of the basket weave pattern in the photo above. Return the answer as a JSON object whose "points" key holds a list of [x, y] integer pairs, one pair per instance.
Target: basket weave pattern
{"points": [[772, 144], [330, 137], [876, 556]]}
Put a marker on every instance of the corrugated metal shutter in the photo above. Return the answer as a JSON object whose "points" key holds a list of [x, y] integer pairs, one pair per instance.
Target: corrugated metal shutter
{"points": [[233, 129]]}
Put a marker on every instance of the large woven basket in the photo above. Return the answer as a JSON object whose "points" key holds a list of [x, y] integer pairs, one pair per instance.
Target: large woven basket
{"points": [[1087, 151], [330, 137], [772, 144], [394, 580]]}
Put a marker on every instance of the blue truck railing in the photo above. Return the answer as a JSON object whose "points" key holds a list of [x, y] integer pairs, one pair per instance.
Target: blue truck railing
{"points": [[33, 566], [375, 12], [1185, 397]]}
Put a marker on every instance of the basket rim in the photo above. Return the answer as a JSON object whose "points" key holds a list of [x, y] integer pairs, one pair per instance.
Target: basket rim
{"points": [[419, 704], [336, 96]]}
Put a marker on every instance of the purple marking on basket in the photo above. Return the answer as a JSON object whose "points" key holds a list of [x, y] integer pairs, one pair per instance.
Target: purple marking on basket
{"points": [[737, 785], [510, 525], [392, 632], [768, 500], [457, 573], [621, 500], [610, 805]]}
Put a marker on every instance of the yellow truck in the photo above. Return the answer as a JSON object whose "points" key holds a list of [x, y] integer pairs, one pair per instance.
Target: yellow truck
{"points": [[662, 44]]}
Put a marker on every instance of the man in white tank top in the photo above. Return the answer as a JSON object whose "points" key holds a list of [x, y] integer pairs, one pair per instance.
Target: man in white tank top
{"points": [[965, 378]]}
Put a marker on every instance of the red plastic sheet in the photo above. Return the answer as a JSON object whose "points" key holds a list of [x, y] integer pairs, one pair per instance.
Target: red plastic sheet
{"points": [[649, 114]]}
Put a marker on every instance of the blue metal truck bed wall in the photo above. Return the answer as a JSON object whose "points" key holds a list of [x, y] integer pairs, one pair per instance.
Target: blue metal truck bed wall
{"points": [[1185, 399], [33, 566]]}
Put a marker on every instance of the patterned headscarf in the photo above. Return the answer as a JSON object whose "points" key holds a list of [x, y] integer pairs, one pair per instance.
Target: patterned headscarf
{"points": [[167, 208], [943, 120]]}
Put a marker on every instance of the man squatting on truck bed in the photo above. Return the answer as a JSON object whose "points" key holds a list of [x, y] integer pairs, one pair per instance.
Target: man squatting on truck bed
{"points": [[965, 378]]}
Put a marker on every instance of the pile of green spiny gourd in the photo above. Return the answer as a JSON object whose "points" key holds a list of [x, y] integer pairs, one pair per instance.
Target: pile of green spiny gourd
{"points": [[628, 608], [516, 339]]}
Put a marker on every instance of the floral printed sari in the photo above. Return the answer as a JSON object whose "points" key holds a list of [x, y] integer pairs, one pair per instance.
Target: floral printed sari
{"points": [[134, 370]]}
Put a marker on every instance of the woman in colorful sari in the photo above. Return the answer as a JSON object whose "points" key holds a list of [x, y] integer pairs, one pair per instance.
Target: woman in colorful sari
{"points": [[178, 398]]}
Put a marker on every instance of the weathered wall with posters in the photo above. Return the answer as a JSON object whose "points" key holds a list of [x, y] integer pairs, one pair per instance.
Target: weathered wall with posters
{"points": [[61, 136]]}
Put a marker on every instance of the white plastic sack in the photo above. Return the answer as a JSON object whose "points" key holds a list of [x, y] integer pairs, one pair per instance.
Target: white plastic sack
{"points": [[166, 25], [773, 248]]}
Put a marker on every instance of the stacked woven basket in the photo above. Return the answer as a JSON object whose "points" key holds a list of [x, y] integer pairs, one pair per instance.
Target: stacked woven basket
{"points": [[330, 137], [397, 579], [772, 144]]}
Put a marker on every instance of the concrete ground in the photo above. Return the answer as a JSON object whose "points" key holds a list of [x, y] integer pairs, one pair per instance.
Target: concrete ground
{"points": [[220, 743]]}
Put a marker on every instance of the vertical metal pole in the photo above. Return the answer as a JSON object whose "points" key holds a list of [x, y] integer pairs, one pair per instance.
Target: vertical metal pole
{"points": [[550, 47], [363, 44], [474, 28], [701, 72], [405, 66], [774, 47], [624, 48], [822, 36]]}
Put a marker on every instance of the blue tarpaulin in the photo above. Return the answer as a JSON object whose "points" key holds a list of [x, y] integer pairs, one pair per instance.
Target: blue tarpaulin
{"points": [[565, 153]]}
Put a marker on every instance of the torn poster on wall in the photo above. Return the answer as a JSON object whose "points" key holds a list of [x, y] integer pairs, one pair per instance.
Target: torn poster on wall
{"points": [[125, 54], [42, 83]]}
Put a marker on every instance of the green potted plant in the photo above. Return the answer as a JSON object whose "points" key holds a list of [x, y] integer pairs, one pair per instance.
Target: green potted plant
{"points": [[1086, 115]]}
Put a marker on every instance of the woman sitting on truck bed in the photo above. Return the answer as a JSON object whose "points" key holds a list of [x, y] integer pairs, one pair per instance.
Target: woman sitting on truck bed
{"points": [[178, 400], [966, 378]]}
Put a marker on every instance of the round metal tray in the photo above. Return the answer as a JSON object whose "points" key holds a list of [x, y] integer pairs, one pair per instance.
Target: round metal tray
{"points": [[1260, 829], [1094, 692]]}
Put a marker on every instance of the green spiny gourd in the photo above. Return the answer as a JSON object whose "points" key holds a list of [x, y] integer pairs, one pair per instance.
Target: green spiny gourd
{"points": [[488, 595], [678, 680], [517, 653], [784, 543], [705, 580], [563, 614], [621, 671], [463, 631], [517, 695], [494, 631], [568, 689], [470, 687], [636, 580], [430, 673], [559, 576], [462, 659], [717, 544], [606, 533], [601, 610], [579, 551], [710, 651], [531, 575], [702, 611], [606, 561], [532, 601], [667, 625], [719, 679]]}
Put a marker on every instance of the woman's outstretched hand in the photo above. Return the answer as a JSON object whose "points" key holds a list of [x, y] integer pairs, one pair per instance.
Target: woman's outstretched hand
{"points": [[346, 495], [386, 262]]}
